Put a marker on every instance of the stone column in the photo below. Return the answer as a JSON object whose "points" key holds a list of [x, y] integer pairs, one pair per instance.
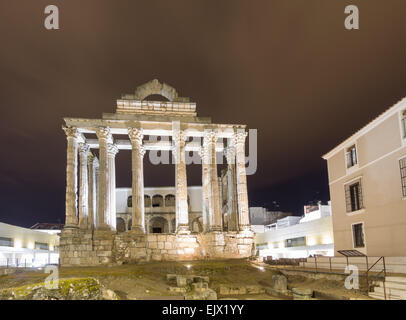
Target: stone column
{"points": [[103, 133], [138, 210], [204, 154], [231, 187], [71, 177], [182, 212], [242, 194], [83, 189], [97, 187], [92, 163], [215, 220], [112, 150]]}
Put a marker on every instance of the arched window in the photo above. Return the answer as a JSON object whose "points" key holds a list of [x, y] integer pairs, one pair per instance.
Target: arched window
{"points": [[157, 201], [147, 201], [130, 201], [169, 200]]}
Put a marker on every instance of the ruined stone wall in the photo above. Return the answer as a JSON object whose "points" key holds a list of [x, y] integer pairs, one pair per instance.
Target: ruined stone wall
{"points": [[87, 247]]}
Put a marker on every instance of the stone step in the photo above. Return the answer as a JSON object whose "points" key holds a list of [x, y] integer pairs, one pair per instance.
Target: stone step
{"points": [[399, 294], [380, 296]]}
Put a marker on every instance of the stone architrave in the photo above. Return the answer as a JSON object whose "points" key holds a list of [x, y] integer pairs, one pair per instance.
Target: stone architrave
{"points": [[104, 136], [215, 218], [242, 194], [182, 211], [204, 154], [231, 186], [138, 214], [92, 163], [112, 150], [71, 220], [84, 186]]}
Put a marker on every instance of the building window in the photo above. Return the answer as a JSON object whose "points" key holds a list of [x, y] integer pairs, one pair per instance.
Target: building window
{"points": [[358, 235], [6, 242], [157, 201], [353, 196], [404, 123], [41, 246], [351, 156], [170, 200], [130, 201], [295, 242], [402, 164]]}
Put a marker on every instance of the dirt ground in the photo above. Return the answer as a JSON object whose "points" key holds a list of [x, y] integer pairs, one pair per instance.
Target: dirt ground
{"points": [[148, 280]]}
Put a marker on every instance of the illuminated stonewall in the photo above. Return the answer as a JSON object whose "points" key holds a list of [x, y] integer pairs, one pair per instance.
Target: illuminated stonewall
{"points": [[90, 236]]}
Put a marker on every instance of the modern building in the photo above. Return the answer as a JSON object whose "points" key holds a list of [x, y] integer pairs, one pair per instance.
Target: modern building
{"points": [[26, 247], [367, 179], [261, 217], [299, 237], [160, 207]]}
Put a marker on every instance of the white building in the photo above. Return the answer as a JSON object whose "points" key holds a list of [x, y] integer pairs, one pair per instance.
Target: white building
{"points": [[299, 237], [159, 203], [26, 247]]}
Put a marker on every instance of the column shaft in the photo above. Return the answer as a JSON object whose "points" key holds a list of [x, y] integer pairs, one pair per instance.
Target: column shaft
{"points": [[103, 133], [71, 177], [84, 185], [182, 211], [204, 154], [215, 220], [138, 210], [231, 189], [92, 161], [112, 150], [242, 193]]}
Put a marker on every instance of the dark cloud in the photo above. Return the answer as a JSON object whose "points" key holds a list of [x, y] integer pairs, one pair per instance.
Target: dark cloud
{"points": [[286, 68]]}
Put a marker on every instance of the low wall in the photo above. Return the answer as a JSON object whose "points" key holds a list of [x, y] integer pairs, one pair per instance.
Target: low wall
{"points": [[89, 248]]}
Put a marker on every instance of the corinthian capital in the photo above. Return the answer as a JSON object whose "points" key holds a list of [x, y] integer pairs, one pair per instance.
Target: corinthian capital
{"points": [[239, 137], [103, 133], [83, 148], [179, 136], [229, 153], [135, 135], [210, 136], [112, 149], [71, 132]]}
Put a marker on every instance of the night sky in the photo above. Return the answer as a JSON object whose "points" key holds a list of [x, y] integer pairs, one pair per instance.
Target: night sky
{"points": [[286, 68]]}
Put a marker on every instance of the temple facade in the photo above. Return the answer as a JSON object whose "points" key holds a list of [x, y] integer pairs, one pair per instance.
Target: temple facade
{"points": [[91, 235]]}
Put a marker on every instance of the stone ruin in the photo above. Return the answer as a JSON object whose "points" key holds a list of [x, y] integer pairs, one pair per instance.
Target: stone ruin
{"points": [[90, 236]]}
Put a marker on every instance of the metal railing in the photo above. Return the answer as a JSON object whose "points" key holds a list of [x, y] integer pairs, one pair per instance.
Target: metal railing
{"points": [[25, 263], [379, 273]]}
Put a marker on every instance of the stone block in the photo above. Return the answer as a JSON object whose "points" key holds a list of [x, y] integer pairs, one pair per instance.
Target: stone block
{"points": [[302, 293], [152, 245], [181, 281], [279, 283]]}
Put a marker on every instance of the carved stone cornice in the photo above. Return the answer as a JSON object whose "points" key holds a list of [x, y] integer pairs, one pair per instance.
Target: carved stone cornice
{"points": [[71, 132], [136, 135]]}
